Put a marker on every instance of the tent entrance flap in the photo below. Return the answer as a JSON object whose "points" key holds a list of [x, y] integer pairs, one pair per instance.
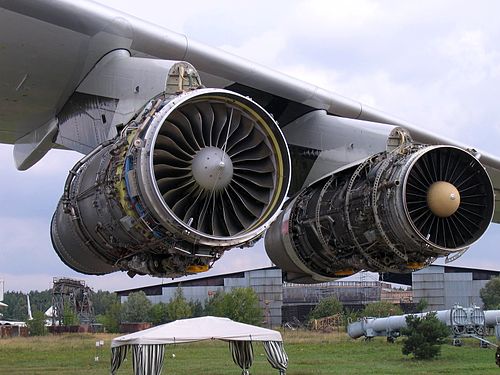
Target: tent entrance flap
{"points": [[242, 352], [276, 355], [148, 359], [118, 355]]}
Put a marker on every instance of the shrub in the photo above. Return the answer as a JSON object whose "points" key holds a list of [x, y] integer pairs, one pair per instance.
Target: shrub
{"points": [[36, 326], [422, 305], [326, 307], [382, 309], [424, 336]]}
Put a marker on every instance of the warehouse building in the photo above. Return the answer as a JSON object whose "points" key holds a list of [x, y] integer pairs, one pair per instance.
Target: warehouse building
{"points": [[266, 282], [444, 286], [280, 301], [299, 300]]}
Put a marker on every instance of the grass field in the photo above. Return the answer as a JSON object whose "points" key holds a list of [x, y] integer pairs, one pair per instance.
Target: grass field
{"points": [[309, 353]]}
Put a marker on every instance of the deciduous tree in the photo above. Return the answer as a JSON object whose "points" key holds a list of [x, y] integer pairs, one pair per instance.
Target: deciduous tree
{"points": [[241, 305], [158, 313], [111, 318], [490, 294], [136, 308], [326, 307], [382, 309], [178, 307], [102, 301], [69, 317]]}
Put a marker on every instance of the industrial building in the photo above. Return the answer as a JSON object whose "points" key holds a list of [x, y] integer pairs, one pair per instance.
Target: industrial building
{"points": [[441, 286], [266, 282], [299, 300], [280, 302], [444, 286]]}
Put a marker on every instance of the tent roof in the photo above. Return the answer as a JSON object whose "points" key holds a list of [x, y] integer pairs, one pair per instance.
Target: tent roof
{"points": [[197, 329]]}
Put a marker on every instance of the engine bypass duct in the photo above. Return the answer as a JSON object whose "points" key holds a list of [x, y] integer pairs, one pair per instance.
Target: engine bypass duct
{"points": [[395, 212], [192, 175]]}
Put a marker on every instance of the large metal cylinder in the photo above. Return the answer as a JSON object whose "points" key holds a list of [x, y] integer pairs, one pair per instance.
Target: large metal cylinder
{"points": [[395, 212], [491, 318], [193, 175], [462, 321]]}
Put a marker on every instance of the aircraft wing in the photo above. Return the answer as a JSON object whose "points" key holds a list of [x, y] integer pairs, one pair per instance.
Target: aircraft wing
{"points": [[96, 29], [79, 75]]}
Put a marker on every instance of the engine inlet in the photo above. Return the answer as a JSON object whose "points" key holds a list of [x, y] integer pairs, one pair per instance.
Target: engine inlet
{"points": [[216, 165], [448, 198]]}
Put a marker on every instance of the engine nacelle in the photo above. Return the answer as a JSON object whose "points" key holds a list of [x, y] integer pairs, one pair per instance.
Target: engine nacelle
{"points": [[191, 176], [395, 212]]}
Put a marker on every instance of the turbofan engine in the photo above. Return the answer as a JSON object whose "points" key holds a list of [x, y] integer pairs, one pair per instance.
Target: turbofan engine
{"points": [[191, 176], [395, 212]]}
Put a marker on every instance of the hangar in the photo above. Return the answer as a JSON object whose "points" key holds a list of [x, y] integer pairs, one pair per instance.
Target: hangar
{"points": [[280, 301], [444, 286]]}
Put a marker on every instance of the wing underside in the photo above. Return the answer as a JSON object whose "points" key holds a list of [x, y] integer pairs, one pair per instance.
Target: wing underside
{"points": [[93, 30]]}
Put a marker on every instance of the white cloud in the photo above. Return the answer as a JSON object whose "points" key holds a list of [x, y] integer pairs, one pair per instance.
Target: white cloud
{"points": [[264, 48], [433, 63], [343, 18]]}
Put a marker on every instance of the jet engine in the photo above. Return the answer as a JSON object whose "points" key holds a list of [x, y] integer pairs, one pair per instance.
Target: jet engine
{"points": [[192, 175], [394, 212]]}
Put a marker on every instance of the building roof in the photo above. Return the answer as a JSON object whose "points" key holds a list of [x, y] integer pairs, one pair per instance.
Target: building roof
{"points": [[213, 280], [406, 278]]}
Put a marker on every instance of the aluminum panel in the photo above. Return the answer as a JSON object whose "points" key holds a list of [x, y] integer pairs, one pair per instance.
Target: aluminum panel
{"points": [[431, 293], [428, 277], [466, 276]]}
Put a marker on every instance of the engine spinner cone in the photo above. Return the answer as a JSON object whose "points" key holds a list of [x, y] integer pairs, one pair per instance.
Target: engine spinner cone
{"points": [[443, 198], [212, 168]]}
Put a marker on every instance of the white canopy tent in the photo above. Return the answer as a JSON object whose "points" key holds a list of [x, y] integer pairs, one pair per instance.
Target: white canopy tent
{"points": [[148, 346]]}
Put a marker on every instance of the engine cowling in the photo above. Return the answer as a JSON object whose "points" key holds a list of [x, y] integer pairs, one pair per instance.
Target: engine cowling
{"points": [[395, 212], [191, 176]]}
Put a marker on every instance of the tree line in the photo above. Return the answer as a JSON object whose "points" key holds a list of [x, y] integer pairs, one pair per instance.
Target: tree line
{"points": [[241, 304], [17, 308]]}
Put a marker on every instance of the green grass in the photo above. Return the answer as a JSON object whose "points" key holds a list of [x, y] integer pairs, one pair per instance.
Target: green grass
{"points": [[309, 353]]}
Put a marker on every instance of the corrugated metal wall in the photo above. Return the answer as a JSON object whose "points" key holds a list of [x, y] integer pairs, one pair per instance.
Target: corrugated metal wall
{"points": [[266, 283], [443, 290]]}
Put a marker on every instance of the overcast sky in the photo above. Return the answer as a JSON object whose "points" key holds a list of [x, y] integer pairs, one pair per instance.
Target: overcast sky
{"points": [[433, 63]]}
